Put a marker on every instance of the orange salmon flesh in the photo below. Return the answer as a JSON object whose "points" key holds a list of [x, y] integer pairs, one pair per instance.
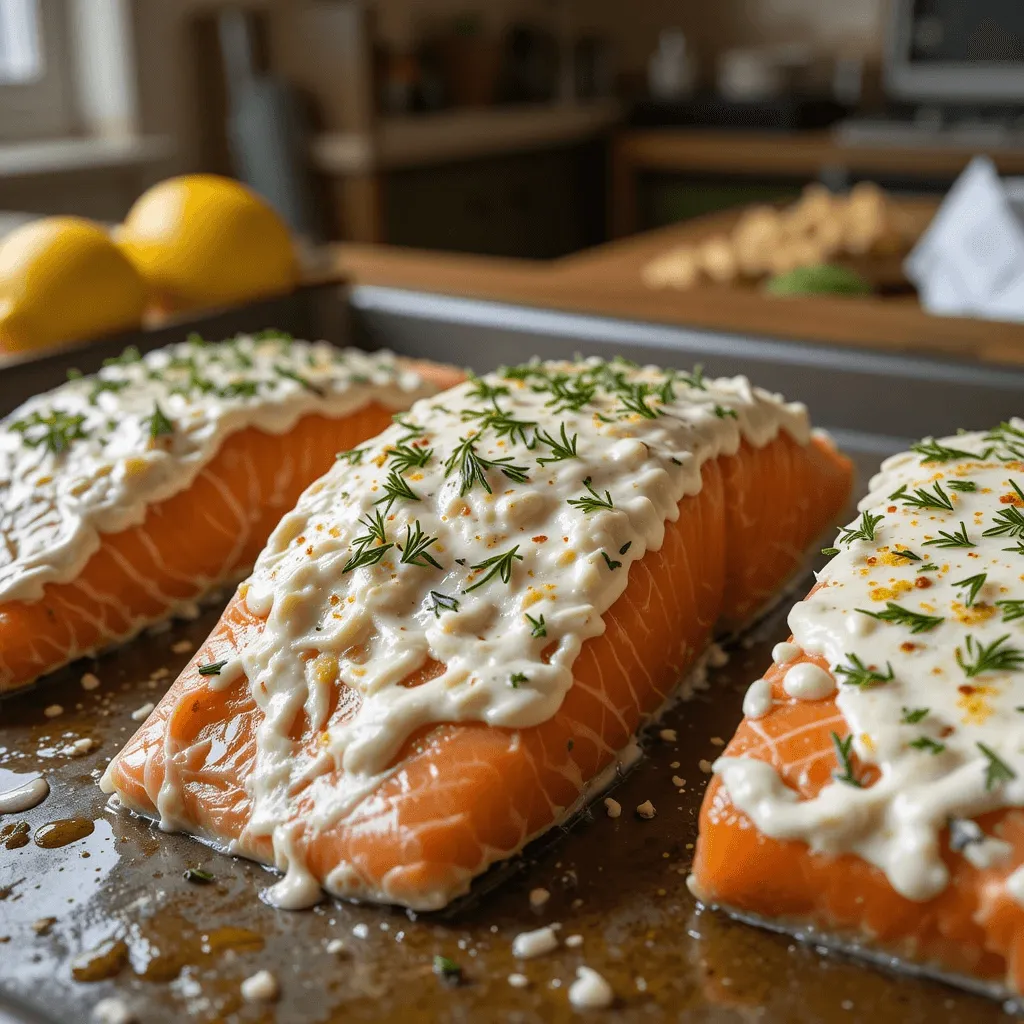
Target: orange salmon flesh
{"points": [[206, 535], [973, 930], [460, 797]]}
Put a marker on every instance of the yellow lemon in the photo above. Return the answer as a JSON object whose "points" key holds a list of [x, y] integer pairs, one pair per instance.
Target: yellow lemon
{"points": [[202, 240], [63, 279]]}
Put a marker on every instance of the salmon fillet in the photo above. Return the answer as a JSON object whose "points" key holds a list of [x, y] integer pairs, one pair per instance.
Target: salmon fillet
{"points": [[201, 536], [454, 797], [870, 799]]}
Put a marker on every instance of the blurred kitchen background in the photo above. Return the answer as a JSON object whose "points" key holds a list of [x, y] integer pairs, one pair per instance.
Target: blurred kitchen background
{"points": [[741, 144]]}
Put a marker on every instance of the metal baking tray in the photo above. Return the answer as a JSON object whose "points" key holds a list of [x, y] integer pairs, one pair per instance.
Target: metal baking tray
{"points": [[113, 905]]}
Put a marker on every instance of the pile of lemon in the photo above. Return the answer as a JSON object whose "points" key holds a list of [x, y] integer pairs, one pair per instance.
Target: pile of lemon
{"points": [[192, 242]]}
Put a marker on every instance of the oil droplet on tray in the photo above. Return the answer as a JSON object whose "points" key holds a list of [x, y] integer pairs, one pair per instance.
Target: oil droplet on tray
{"points": [[59, 833], [100, 963]]}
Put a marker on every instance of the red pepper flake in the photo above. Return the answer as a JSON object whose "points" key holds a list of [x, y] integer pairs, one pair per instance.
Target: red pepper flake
{"points": [[946, 730], [872, 560], [891, 508], [922, 583], [1011, 499], [539, 539], [309, 551], [966, 689], [908, 646]]}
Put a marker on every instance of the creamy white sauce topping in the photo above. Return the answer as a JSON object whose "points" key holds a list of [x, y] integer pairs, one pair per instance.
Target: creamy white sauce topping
{"points": [[930, 677], [92, 455], [808, 682], [590, 991], [488, 533], [757, 701], [785, 652]]}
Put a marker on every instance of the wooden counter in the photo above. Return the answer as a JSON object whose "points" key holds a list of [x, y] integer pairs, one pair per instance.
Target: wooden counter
{"points": [[803, 155], [606, 281]]}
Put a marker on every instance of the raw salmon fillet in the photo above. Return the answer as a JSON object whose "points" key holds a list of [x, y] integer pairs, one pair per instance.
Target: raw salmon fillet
{"points": [[457, 796], [202, 536], [879, 811]]}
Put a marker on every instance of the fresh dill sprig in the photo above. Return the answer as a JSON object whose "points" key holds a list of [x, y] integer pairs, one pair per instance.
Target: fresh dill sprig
{"points": [[609, 562], [240, 389], [396, 487], [917, 622], [844, 754], [538, 627], [1018, 550], [354, 456], [504, 425], [568, 394], [159, 424], [634, 401], [472, 467], [956, 539], [965, 486], [898, 493], [1009, 521], [487, 392], [996, 769], [922, 498], [372, 546], [594, 502], [911, 716], [993, 657], [101, 384], [414, 550], [858, 674], [213, 669], [305, 382], [974, 585], [1011, 610], [906, 553], [694, 379], [442, 603], [931, 451], [564, 448], [830, 552], [413, 430], [497, 565], [927, 743], [864, 531], [404, 457], [56, 431], [929, 567], [1012, 440]]}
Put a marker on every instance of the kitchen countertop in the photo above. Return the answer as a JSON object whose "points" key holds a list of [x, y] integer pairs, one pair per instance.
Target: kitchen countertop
{"points": [[606, 281]]}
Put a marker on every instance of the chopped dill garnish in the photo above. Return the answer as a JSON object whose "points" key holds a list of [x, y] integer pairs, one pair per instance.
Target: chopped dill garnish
{"points": [[213, 669], [414, 551], [56, 431], [516, 678], [442, 603], [126, 358], [917, 622], [993, 657], [898, 493], [858, 674], [844, 754], [956, 539], [922, 498], [396, 487], [472, 468], [609, 562], [354, 456], [240, 389], [447, 970], [1010, 522], [1011, 610], [864, 531], [159, 424], [496, 565], [481, 389], [906, 553], [911, 716], [928, 567], [372, 545], [564, 448], [996, 770], [504, 425], [927, 743], [412, 429], [1011, 439], [594, 502], [931, 451], [1018, 550], [722, 413], [290, 374], [830, 552], [404, 457], [197, 875], [695, 379], [568, 394], [538, 626], [272, 334], [100, 385], [634, 401], [974, 585], [962, 485]]}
